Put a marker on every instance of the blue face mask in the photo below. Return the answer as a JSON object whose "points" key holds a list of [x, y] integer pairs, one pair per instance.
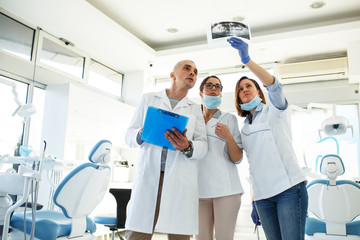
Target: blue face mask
{"points": [[211, 102], [252, 104]]}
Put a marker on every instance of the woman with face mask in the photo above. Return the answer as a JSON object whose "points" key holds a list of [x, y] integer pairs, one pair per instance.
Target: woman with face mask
{"points": [[220, 189], [279, 186]]}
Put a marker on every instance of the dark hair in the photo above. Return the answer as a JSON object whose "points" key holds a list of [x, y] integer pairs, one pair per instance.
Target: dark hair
{"points": [[241, 112], [205, 80]]}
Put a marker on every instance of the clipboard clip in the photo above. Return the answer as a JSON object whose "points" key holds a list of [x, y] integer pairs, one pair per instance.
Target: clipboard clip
{"points": [[168, 113]]}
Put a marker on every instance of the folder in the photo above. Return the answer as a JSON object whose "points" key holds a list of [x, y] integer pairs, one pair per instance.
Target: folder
{"points": [[157, 122]]}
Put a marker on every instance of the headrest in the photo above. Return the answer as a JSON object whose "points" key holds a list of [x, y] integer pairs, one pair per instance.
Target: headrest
{"points": [[100, 153], [332, 166]]}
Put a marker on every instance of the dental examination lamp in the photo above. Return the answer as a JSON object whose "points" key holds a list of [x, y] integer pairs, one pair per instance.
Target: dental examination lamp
{"points": [[332, 126], [23, 110], [335, 125]]}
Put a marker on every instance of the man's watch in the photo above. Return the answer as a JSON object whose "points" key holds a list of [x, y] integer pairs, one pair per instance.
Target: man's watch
{"points": [[188, 151]]}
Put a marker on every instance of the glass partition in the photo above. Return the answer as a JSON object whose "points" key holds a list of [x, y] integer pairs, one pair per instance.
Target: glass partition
{"points": [[11, 127], [61, 58], [105, 78], [15, 37]]}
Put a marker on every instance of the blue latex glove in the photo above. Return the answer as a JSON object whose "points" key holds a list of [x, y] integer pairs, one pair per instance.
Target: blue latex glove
{"points": [[242, 47], [254, 216]]}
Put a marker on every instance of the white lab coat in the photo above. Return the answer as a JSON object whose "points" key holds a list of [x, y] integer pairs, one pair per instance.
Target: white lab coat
{"points": [[179, 201], [272, 161], [218, 174]]}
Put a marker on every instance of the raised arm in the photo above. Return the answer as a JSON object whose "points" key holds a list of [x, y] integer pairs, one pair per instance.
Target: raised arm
{"points": [[273, 86], [266, 78]]}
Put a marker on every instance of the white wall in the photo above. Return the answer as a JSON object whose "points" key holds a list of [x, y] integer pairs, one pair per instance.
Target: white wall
{"points": [[55, 119], [133, 87], [353, 51]]}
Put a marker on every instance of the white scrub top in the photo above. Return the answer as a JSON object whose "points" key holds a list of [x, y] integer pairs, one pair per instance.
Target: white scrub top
{"points": [[218, 175], [179, 200], [267, 142]]}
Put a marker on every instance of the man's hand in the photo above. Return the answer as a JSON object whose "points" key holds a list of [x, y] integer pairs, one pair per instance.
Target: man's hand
{"points": [[178, 140]]}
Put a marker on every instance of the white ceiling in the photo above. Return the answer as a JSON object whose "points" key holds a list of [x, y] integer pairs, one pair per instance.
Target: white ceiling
{"points": [[148, 20], [129, 35], [281, 29]]}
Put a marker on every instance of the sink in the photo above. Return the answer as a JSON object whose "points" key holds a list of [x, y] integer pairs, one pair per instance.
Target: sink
{"points": [[11, 183]]}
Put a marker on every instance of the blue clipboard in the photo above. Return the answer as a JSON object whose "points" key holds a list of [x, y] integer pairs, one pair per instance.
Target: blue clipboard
{"points": [[157, 122]]}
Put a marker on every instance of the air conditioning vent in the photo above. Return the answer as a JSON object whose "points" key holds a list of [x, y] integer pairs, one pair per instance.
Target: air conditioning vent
{"points": [[311, 71]]}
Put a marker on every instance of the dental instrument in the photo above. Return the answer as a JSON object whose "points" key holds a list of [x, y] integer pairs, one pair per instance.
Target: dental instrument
{"points": [[23, 110], [28, 182]]}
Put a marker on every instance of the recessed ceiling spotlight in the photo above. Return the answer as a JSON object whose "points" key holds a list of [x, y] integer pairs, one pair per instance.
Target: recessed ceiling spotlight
{"points": [[172, 30], [238, 19], [317, 4]]}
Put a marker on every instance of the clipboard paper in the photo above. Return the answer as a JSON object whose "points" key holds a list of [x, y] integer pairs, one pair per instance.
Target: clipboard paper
{"points": [[157, 122]]}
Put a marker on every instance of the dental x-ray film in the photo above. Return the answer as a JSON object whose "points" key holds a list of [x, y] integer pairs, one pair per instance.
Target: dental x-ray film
{"points": [[218, 33]]}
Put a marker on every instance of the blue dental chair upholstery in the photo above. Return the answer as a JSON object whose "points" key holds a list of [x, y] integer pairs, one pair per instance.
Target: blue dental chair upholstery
{"points": [[334, 206], [77, 196]]}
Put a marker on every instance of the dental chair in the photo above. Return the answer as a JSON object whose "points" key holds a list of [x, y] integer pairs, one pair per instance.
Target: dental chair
{"points": [[77, 196], [334, 206]]}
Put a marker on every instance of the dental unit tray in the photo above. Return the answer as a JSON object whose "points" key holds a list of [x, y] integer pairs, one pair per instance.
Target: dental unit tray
{"points": [[157, 122], [30, 180]]}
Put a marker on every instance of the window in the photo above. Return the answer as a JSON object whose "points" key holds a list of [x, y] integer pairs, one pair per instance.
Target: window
{"points": [[11, 127], [61, 58], [105, 79], [310, 148], [15, 37]]}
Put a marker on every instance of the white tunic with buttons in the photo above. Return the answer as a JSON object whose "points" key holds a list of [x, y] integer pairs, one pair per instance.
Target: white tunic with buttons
{"points": [[218, 174], [267, 142]]}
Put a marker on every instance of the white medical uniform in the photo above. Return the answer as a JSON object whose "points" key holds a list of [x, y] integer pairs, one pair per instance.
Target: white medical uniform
{"points": [[267, 142], [178, 212], [218, 174]]}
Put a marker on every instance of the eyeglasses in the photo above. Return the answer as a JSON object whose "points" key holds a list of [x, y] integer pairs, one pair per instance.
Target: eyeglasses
{"points": [[210, 86]]}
